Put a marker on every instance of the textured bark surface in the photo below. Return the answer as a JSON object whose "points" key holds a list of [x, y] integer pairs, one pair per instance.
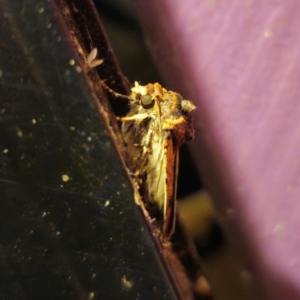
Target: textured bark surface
{"points": [[239, 62]]}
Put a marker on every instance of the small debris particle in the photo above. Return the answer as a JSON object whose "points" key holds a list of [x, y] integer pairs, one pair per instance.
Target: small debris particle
{"points": [[65, 178], [78, 69], [33, 121], [5, 151], [106, 203], [72, 128], [126, 283], [72, 62]]}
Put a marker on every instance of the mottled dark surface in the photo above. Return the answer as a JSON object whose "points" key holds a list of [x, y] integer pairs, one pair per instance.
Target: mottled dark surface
{"points": [[69, 226]]}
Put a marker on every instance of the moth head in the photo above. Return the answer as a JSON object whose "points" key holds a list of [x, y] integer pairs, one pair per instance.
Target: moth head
{"points": [[144, 95], [139, 89], [147, 101]]}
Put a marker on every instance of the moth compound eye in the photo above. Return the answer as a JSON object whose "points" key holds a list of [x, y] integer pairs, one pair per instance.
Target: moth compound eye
{"points": [[147, 101]]}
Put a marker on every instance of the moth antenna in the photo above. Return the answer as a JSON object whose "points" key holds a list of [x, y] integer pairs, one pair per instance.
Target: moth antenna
{"points": [[115, 94], [92, 62]]}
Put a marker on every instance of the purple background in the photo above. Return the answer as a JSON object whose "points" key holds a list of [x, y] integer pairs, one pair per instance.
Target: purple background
{"points": [[239, 62]]}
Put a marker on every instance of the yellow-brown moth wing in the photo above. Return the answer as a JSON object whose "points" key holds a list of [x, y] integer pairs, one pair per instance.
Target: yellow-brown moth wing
{"points": [[158, 122], [171, 171]]}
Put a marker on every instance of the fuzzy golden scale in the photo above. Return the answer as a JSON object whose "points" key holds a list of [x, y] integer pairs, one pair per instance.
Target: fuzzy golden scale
{"points": [[158, 123]]}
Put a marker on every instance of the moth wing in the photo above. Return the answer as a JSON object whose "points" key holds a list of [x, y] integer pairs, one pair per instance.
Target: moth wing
{"points": [[171, 158]]}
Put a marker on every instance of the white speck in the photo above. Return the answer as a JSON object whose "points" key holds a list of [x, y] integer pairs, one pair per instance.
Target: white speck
{"points": [[41, 10], [268, 33], [72, 62], [91, 295], [106, 203], [2, 111], [20, 133], [33, 121], [65, 178], [72, 128], [44, 214], [82, 133], [126, 283], [49, 25], [78, 69], [57, 233], [5, 151], [89, 138]]}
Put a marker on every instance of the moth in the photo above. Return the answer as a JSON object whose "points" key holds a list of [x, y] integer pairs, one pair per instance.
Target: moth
{"points": [[158, 123]]}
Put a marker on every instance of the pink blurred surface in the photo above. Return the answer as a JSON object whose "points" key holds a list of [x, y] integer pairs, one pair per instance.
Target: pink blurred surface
{"points": [[240, 63]]}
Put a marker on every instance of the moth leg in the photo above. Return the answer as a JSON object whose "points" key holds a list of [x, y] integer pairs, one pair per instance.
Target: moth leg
{"points": [[115, 94], [132, 118], [135, 173]]}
